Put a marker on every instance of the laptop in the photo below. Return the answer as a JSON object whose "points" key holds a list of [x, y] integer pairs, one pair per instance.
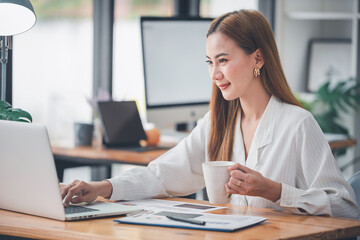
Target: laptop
{"points": [[122, 126], [28, 179]]}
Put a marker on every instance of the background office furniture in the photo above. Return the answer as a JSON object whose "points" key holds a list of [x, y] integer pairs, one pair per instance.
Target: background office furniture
{"points": [[334, 145], [280, 225], [89, 156], [297, 22]]}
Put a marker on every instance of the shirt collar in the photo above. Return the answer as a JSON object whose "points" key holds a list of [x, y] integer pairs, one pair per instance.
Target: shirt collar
{"points": [[263, 134], [265, 130]]}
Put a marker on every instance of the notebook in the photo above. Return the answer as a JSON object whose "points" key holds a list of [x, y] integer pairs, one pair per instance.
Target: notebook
{"points": [[28, 179], [122, 126]]}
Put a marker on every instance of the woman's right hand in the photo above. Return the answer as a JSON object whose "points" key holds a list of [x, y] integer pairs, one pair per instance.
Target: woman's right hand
{"points": [[80, 191]]}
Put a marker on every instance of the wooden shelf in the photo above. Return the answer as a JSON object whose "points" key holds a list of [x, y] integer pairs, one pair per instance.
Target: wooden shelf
{"points": [[322, 15]]}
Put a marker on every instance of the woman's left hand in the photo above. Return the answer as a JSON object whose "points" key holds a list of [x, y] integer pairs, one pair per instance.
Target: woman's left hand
{"points": [[245, 181]]}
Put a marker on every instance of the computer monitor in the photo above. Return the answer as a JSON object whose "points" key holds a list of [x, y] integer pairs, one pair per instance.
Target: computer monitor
{"points": [[177, 81]]}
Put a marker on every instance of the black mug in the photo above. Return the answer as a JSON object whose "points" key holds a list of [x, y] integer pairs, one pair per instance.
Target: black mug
{"points": [[83, 134]]}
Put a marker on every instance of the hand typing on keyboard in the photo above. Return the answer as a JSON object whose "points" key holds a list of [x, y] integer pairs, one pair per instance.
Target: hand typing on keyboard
{"points": [[80, 191]]}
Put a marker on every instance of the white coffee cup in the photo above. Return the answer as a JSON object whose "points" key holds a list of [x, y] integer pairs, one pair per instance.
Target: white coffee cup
{"points": [[216, 174]]}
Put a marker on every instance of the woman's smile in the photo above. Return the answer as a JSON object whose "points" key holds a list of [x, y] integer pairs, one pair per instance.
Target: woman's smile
{"points": [[224, 86]]}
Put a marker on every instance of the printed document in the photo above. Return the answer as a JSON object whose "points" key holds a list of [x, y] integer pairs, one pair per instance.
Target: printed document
{"points": [[213, 222]]}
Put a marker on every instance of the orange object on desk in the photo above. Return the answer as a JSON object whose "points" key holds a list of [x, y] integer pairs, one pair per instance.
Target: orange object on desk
{"points": [[153, 137]]}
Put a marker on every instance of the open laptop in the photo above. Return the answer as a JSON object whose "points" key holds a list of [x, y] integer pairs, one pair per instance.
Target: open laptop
{"points": [[28, 179], [122, 126]]}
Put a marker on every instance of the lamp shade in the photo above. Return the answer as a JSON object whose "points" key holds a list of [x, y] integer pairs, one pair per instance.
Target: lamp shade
{"points": [[16, 16]]}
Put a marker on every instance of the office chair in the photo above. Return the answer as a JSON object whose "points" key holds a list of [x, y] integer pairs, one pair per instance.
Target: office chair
{"points": [[354, 181]]}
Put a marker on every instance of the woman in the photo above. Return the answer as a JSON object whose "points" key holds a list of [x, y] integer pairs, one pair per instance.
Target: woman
{"points": [[283, 160]]}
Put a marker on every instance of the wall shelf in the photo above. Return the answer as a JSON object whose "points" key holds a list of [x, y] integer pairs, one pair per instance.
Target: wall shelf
{"points": [[298, 23], [321, 15]]}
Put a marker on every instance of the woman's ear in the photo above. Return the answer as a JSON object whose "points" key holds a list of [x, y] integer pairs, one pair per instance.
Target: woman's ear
{"points": [[259, 60]]}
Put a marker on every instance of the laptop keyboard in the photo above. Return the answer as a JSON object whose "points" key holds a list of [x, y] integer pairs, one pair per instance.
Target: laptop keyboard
{"points": [[78, 209]]}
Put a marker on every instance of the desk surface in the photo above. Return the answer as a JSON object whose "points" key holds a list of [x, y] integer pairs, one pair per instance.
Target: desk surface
{"points": [[107, 155], [89, 156], [280, 225], [138, 158], [342, 144]]}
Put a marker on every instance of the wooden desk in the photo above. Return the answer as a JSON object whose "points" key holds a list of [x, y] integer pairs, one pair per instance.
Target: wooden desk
{"points": [[88, 156], [280, 225], [342, 144]]}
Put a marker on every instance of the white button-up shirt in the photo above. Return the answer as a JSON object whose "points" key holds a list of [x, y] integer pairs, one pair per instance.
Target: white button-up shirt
{"points": [[288, 147]]}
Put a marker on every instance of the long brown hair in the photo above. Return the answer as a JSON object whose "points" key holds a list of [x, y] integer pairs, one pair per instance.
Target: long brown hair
{"points": [[251, 31]]}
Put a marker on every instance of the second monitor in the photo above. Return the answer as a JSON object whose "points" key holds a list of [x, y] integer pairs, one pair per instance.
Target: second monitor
{"points": [[177, 82]]}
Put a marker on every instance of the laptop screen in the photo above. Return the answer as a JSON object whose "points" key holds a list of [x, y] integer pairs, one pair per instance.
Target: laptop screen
{"points": [[121, 123]]}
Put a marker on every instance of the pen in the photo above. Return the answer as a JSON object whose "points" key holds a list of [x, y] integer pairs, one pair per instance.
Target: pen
{"points": [[187, 220]]}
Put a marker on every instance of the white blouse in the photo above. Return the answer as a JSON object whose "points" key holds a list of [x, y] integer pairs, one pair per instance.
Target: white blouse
{"points": [[288, 147]]}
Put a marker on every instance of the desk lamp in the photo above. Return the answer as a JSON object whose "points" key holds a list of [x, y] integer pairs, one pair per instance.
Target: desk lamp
{"points": [[16, 16]]}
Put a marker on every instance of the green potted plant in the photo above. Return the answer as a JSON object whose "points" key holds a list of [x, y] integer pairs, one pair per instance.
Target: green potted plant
{"points": [[7, 112], [330, 102]]}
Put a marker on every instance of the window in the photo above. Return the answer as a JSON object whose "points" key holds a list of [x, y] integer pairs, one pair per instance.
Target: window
{"points": [[128, 78], [52, 65], [215, 8], [53, 62]]}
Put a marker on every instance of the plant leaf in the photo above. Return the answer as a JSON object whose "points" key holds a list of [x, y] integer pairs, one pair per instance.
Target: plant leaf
{"points": [[13, 114], [4, 105]]}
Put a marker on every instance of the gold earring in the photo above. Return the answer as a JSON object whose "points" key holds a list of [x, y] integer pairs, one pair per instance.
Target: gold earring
{"points": [[256, 72]]}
